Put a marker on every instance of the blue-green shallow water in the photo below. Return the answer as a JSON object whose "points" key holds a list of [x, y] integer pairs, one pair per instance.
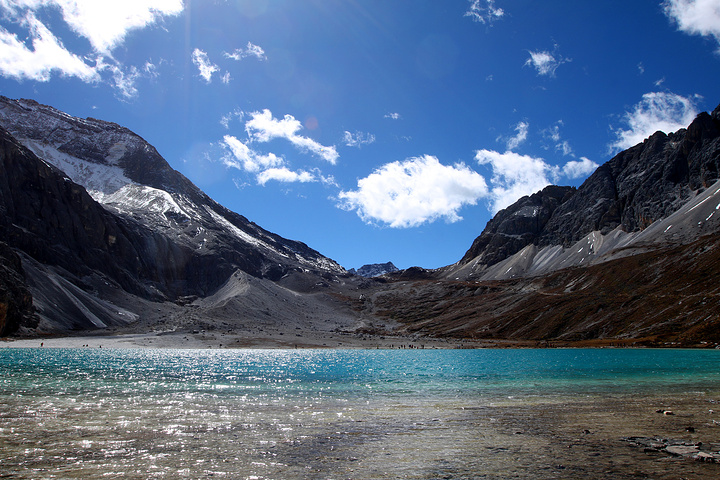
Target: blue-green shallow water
{"points": [[91, 413], [489, 373]]}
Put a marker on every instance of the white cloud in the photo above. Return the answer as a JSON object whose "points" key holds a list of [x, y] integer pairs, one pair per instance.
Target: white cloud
{"points": [[695, 17], [250, 51], [664, 111], [124, 80], [226, 119], [578, 169], [553, 134], [522, 131], [104, 24], [393, 116], [245, 158], [263, 127], [484, 11], [514, 176], [358, 139], [47, 55], [564, 147], [415, 191], [420, 190], [285, 175], [205, 66], [545, 62]]}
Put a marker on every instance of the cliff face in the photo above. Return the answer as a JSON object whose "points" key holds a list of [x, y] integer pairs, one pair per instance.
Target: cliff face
{"points": [[16, 309], [638, 187], [88, 203], [643, 184], [523, 223]]}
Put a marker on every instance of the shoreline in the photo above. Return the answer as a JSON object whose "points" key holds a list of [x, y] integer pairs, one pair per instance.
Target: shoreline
{"points": [[301, 340], [215, 340]]}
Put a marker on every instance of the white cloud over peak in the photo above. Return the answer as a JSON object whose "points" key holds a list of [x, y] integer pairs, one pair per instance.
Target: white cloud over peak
{"points": [[415, 191], [695, 17], [545, 63], [422, 190], [552, 134], [515, 175], [579, 169], [263, 127], [664, 111], [250, 51], [484, 11]]}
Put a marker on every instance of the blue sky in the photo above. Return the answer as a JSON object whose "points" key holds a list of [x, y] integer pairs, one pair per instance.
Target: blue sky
{"points": [[371, 130]]}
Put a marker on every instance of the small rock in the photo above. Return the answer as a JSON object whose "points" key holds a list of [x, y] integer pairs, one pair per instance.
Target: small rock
{"points": [[682, 450], [668, 412], [706, 457], [690, 429]]}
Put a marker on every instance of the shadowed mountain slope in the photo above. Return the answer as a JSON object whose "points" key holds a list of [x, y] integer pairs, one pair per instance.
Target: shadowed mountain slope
{"points": [[87, 203]]}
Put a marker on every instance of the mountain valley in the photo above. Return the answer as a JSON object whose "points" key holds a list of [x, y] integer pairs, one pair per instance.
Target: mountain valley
{"points": [[99, 234]]}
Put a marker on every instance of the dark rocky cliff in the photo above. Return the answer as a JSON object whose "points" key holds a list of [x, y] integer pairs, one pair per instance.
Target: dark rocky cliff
{"points": [[631, 257], [16, 308], [632, 190], [55, 221], [134, 224]]}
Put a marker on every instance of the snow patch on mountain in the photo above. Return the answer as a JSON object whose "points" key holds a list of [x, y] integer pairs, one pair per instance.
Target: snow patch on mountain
{"points": [[99, 180], [244, 236], [132, 198]]}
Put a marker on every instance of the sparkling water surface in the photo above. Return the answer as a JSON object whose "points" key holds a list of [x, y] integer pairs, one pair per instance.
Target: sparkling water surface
{"points": [[100, 413]]}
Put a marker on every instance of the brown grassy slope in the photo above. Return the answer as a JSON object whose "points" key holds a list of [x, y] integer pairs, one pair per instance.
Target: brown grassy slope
{"points": [[667, 295]]}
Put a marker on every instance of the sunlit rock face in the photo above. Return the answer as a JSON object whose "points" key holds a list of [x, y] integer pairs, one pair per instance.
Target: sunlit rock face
{"points": [[374, 269]]}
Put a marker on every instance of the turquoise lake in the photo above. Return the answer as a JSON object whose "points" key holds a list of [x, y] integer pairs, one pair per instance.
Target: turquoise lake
{"points": [[96, 413]]}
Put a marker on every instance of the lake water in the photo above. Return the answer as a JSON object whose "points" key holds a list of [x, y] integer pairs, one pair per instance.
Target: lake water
{"points": [[291, 414]]}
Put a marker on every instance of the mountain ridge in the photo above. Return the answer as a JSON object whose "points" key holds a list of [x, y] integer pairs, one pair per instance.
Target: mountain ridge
{"points": [[624, 196], [374, 269], [563, 264], [175, 245]]}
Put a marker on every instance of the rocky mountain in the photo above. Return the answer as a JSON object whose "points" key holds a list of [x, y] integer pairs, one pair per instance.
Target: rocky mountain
{"points": [[634, 200], [87, 204], [374, 269], [632, 255], [98, 232]]}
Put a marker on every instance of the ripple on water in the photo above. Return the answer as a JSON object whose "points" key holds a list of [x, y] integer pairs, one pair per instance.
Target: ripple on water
{"points": [[315, 414]]}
